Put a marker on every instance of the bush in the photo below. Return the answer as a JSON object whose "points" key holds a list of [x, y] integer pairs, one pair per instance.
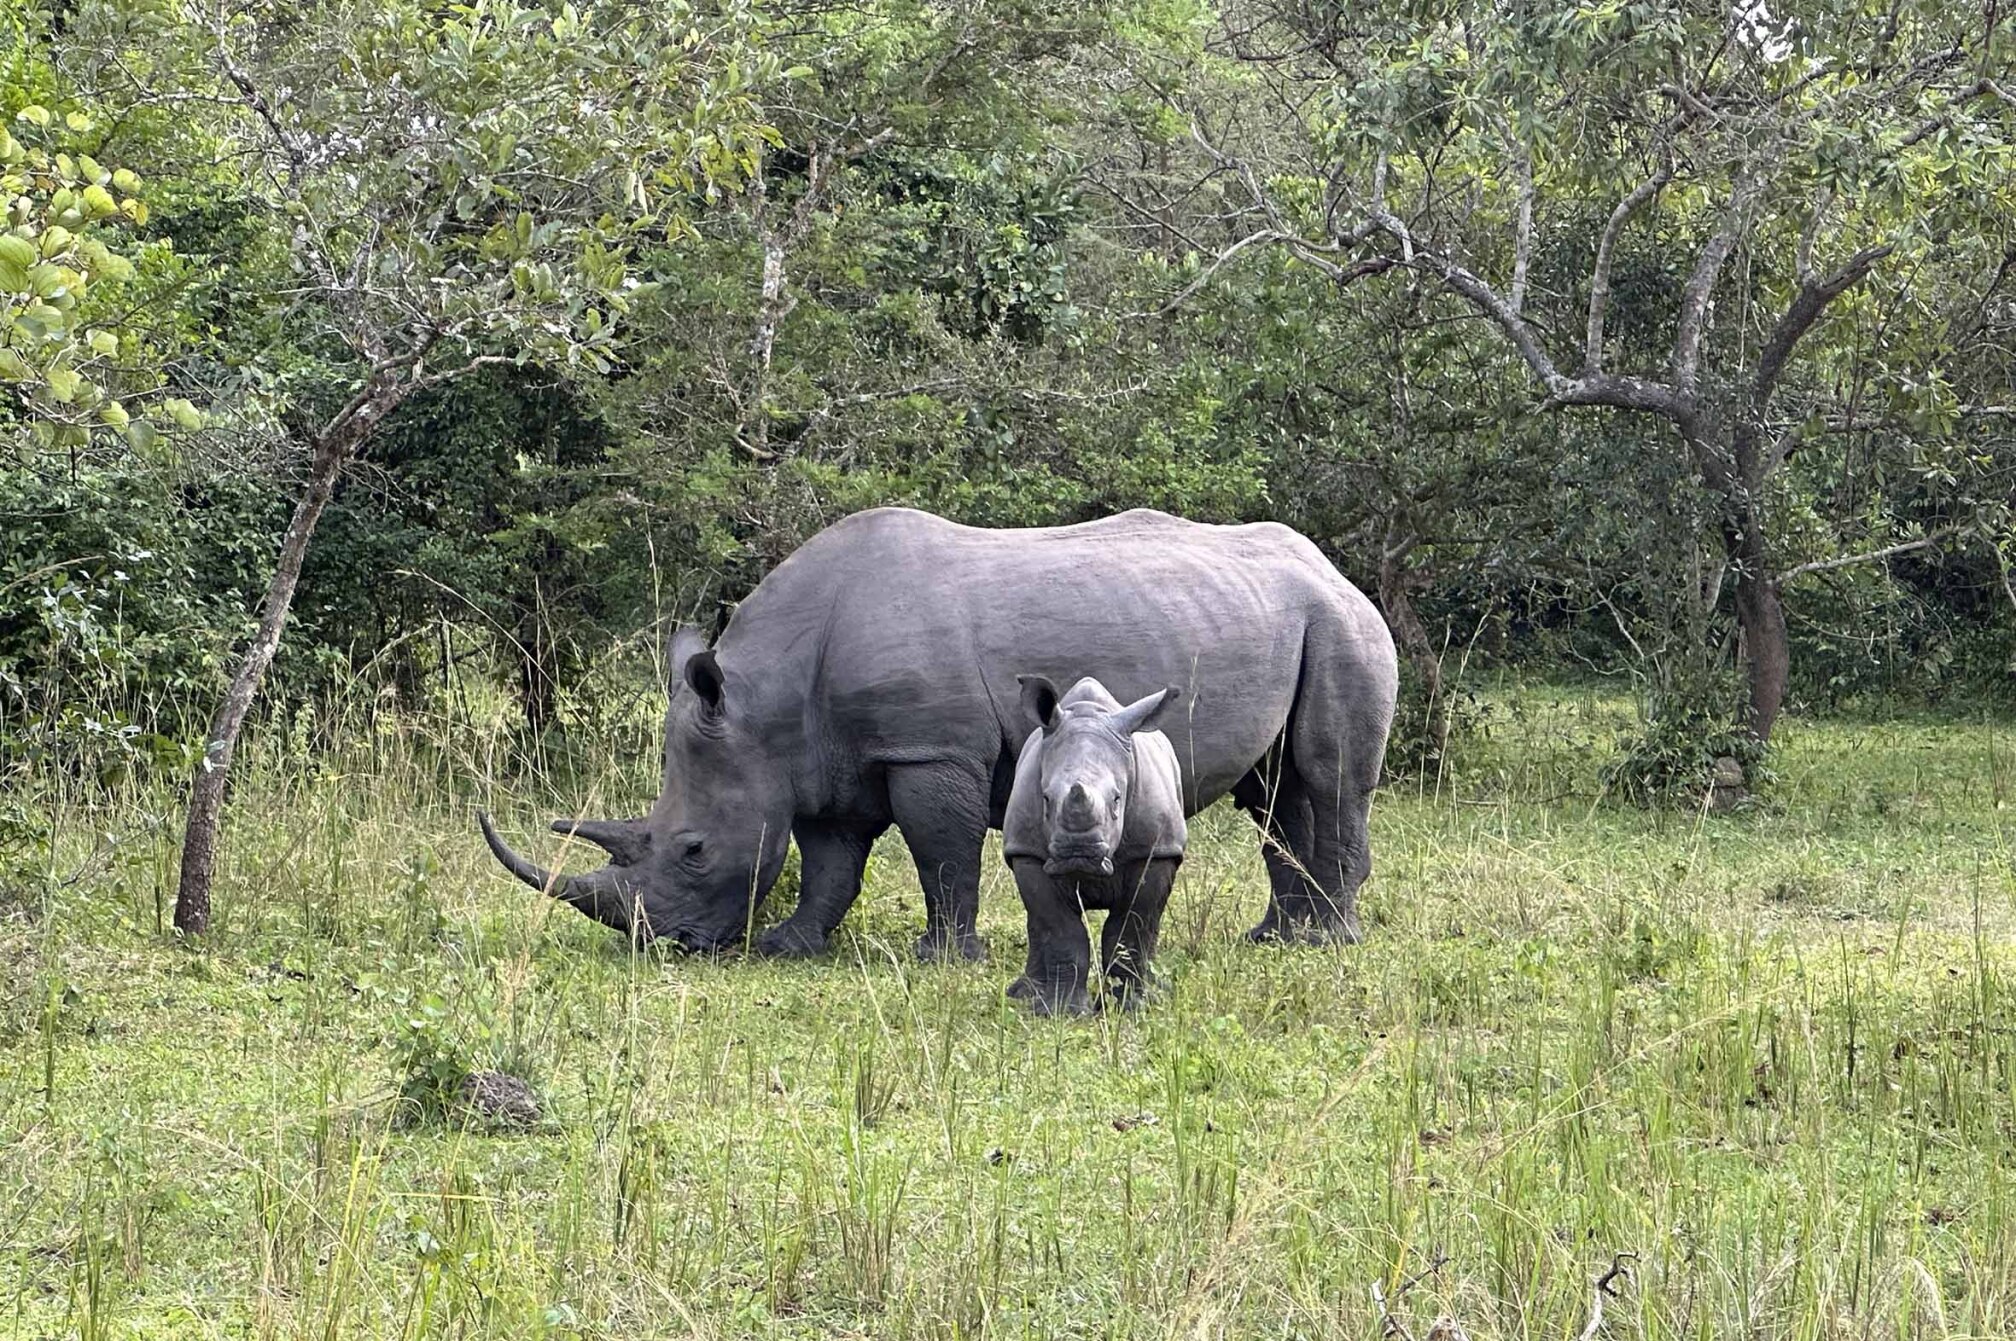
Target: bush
{"points": [[1684, 732]]}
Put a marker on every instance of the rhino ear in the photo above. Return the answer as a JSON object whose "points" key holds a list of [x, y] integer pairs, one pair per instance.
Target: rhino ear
{"points": [[685, 643], [1144, 714], [703, 677], [1039, 702], [693, 661]]}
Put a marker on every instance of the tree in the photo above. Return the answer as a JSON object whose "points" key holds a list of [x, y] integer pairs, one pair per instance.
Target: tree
{"points": [[446, 188], [897, 309], [1777, 165], [60, 252]]}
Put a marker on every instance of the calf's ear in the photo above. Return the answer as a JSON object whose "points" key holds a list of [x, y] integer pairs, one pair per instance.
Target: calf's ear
{"points": [[1039, 702], [1144, 714]]}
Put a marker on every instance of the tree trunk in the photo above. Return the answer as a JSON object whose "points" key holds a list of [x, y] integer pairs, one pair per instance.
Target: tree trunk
{"points": [[1760, 614], [538, 678], [206, 789], [1411, 636], [1767, 648]]}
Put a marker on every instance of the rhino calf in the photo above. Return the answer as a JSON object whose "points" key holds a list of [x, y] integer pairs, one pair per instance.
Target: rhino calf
{"points": [[1094, 820]]}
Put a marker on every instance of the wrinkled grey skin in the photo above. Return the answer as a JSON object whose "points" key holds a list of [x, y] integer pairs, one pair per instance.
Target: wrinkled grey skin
{"points": [[870, 680], [1094, 821]]}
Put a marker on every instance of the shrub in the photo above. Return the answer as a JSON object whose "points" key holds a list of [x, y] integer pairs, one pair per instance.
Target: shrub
{"points": [[1684, 731]]}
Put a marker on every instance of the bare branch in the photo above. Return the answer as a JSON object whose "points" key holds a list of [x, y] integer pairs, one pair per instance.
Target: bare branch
{"points": [[1803, 267], [1599, 276], [1389, 1326], [1701, 284], [1938, 122], [1522, 237], [1189, 291], [1481, 296], [1873, 556], [1812, 299]]}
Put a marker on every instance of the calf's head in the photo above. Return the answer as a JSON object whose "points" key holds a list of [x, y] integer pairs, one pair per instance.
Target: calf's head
{"points": [[1087, 770], [696, 868]]}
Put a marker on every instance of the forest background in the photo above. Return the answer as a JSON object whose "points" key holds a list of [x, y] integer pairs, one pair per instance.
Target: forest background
{"points": [[1655, 341]]}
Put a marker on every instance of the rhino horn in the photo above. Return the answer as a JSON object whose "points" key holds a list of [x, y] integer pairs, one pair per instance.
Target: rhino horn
{"points": [[626, 841], [594, 894], [530, 872], [1078, 812]]}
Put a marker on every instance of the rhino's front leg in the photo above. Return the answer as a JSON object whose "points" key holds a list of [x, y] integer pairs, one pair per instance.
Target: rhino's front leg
{"points": [[1054, 980], [1127, 943], [831, 860], [941, 810]]}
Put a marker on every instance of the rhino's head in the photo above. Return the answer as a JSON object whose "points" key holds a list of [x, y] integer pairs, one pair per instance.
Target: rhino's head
{"points": [[1087, 769], [697, 867]]}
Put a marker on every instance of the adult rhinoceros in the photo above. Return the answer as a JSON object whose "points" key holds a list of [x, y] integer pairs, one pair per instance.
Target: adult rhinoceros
{"points": [[870, 680]]}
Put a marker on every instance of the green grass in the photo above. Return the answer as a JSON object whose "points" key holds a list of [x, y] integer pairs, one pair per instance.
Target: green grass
{"points": [[1771, 1054]]}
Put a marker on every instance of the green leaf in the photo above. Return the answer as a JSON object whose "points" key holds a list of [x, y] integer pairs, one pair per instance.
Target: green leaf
{"points": [[33, 115], [184, 414], [63, 384]]}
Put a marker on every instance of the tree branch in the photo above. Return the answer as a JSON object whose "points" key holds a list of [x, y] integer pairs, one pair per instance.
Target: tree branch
{"points": [[1874, 555], [1815, 293], [1522, 238], [1700, 288], [1482, 296], [1189, 291], [1599, 276], [1602, 1290]]}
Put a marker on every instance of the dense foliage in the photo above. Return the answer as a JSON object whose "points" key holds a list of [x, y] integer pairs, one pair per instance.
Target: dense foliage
{"points": [[644, 304]]}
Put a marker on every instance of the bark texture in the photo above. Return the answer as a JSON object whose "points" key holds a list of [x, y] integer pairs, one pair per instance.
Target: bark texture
{"points": [[332, 450]]}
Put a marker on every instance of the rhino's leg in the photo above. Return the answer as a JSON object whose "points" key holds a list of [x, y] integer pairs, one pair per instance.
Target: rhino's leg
{"points": [[1273, 796], [1127, 943], [831, 860], [1337, 750], [1341, 859], [941, 810], [1054, 980]]}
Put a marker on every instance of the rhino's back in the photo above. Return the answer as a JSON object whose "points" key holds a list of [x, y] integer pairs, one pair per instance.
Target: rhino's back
{"points": [[922, 625]]}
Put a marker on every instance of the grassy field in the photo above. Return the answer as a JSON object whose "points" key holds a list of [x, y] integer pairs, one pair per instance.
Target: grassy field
{"points": [[1769, 1055]]}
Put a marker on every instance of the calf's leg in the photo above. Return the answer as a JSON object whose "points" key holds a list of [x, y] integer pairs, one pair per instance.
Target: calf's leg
{"points": [[1127, 943], [941, 810], [1054, 980]]}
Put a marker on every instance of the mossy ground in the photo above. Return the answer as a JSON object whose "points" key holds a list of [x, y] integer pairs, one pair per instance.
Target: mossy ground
{"points": [[1770, 1054]]}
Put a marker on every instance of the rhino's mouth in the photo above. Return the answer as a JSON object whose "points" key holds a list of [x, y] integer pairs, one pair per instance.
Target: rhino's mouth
{"points": [[1079, 859]]}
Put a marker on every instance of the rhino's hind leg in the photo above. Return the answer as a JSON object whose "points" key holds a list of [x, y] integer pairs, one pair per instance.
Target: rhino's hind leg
{"points": [[1273, 796], [1341, 860], [831, 861], [1316, 846], [941, 810]]}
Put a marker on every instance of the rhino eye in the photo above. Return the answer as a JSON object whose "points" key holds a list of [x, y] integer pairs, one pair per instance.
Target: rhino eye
{"points": [[692, 847]]}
